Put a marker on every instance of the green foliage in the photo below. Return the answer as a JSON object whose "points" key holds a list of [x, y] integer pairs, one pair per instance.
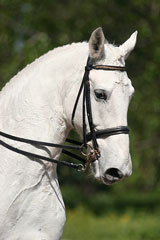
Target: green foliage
{"points": [[82, 224], [30, 28], [100, 203]]}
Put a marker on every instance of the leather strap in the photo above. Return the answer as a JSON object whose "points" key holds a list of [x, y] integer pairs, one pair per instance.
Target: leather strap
{"points": [[109, 132], [109, 68]]}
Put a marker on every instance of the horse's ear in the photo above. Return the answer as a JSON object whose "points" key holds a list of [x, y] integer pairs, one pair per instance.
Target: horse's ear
{"points": [[96, 44], [129, 45]]}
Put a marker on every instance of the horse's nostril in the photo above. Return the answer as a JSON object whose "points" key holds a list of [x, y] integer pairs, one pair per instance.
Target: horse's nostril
{"points": [[113, 173]]}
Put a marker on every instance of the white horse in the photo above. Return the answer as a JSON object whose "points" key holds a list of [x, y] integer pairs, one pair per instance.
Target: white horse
{"points": [[37, 103]]}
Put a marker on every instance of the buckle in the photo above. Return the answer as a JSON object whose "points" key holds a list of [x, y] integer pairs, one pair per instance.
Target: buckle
{"points": [[91, 154]]}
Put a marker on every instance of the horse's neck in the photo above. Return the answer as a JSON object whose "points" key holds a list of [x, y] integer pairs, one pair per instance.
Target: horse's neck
{"points": [[31, 106], [30, 114], [34, 98]]}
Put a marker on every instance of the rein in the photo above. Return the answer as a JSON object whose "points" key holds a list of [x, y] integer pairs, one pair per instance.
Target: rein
{"points": [[93, 152]]}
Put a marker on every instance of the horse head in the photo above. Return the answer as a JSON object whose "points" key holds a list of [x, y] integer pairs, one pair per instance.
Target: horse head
{"points": [[110, 94]]}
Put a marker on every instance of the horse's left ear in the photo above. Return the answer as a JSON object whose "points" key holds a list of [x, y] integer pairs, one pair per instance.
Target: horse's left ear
{"points": [[129, 45], [96, 44]]}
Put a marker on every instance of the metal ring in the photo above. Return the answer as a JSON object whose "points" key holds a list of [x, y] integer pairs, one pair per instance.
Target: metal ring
{"points": [[89, 147], [81, 168]]}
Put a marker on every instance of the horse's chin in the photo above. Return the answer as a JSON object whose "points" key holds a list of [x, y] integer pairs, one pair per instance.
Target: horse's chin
{"points": [[106, 181], [109, 182], [101, 178]]}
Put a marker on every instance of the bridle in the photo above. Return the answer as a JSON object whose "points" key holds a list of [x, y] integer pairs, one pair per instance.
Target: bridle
{"points": [[90, 151], [94, 152]]}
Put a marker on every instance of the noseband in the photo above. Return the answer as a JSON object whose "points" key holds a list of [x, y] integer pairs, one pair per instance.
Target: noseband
{"points": [[92, 150]]}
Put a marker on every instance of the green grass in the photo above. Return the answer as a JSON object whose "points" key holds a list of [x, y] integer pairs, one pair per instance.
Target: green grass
{"points": [[130, 225]]}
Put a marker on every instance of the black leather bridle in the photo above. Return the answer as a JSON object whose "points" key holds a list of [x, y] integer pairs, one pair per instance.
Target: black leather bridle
{"points": [[92, 152]]}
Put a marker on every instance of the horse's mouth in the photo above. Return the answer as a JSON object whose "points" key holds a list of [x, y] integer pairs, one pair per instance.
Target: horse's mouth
{"points": [[107, 181]]}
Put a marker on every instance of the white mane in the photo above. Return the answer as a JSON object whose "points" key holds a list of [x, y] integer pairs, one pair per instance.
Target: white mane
{"points": [[51, 57], [55, 56]]}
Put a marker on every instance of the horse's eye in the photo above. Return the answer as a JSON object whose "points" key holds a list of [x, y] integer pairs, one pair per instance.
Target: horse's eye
{"points": [[100, 94]]}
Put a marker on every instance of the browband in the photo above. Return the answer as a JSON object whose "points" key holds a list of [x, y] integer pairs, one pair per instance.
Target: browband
{"points": [[108, 67]]}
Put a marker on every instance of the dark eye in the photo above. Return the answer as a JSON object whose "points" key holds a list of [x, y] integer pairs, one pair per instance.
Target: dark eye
{"points": [[100, 94]]}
